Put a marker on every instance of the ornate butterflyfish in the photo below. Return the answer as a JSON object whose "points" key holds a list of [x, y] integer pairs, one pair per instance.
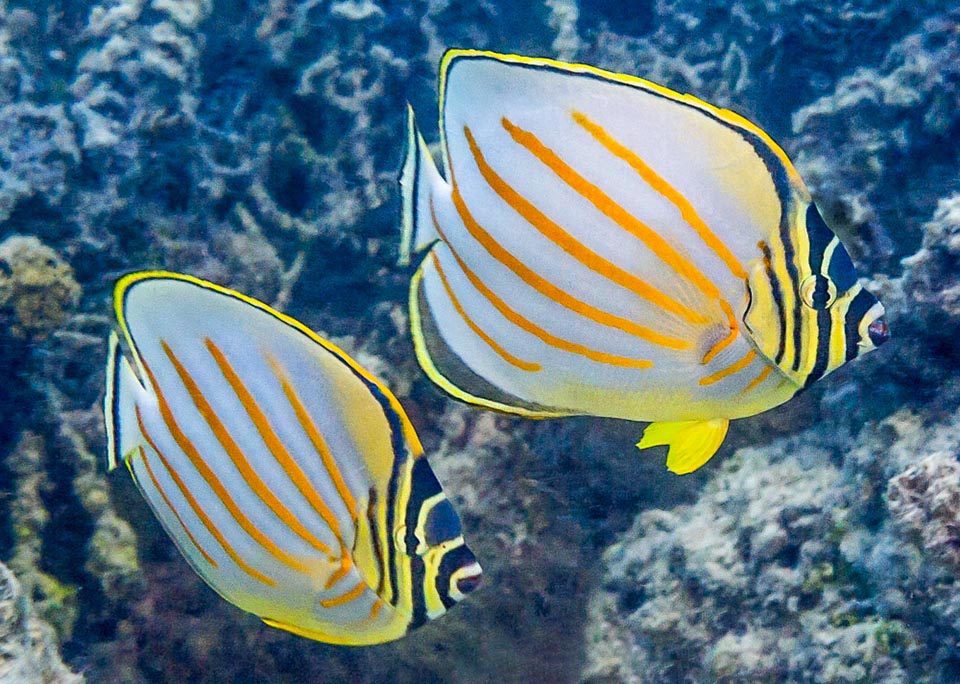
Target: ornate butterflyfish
{"points": [[288, 476], [593, 243]]}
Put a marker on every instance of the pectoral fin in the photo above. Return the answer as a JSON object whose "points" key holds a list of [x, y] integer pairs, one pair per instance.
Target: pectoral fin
{"points": [[690, 443]]}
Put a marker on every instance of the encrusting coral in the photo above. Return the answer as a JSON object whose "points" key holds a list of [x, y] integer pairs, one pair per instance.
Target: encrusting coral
{"points": [[37, 288], [28, 651], [925, 499], [792, 566]]}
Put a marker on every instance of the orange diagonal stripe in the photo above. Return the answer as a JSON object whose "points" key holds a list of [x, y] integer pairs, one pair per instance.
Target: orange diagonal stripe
{"points": [[658, 183], [235, 455], [279, 453], [354, 593], [574, 247], [492, 343], [605, 204], [757, 380], [197, 509], [340, 573], [166, 500], [319, 443], [730, 370], [551, 291], [528, 325], [726, 341]]}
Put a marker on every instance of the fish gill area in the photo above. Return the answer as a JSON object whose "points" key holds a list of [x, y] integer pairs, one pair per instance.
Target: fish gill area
{"points": [[257, 144]]}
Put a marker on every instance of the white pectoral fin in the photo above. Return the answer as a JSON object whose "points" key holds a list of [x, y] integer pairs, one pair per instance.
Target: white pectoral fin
{"points": [[690, 443], [119, 405], [419, 181]]}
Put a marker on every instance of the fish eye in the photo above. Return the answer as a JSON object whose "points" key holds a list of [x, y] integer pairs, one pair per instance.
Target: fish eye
{"points": [[818, 292]]}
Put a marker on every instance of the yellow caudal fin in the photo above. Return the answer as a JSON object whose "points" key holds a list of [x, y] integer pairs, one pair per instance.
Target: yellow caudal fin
{"points": [[690, 443]]}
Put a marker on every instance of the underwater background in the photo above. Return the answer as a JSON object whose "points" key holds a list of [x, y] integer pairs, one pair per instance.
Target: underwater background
{"points": [[257, 144]]}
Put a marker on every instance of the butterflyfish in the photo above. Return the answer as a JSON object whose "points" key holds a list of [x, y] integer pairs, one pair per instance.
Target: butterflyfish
{"points": [[288, 476], [593, 243]]}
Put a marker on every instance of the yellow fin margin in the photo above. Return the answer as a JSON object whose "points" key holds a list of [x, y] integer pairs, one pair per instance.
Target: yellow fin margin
{"points": [[690, 443], [727, 116]]}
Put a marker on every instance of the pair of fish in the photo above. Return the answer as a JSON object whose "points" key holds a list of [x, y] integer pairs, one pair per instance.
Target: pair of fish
{"points": [[596, 244]]}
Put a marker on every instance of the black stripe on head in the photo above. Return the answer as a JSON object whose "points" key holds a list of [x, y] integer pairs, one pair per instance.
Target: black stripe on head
{"points": [[858, 308], [417, 578], [453, 560], [824, 326], [819, 235], [423, 485], [841, 270], [777, 295], [442, 523]]}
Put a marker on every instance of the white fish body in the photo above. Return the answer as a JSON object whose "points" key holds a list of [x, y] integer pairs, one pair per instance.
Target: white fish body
{"points": [[595, 242], [282, 470]]}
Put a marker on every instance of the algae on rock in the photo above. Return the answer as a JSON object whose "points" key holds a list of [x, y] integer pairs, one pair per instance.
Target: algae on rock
{"points": [[37, 287]]}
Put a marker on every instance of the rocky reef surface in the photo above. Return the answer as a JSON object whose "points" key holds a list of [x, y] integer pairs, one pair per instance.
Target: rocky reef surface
{"points": [[28, 651], [257, 143]]}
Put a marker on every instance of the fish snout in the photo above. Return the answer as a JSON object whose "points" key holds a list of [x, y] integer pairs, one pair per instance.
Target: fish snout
{"points": [[872, 328], [470, 583], [878, 332], [465, 579]]}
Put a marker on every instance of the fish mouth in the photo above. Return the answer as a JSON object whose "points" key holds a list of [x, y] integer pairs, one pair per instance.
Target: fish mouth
{"points": [[878, 332], [470, 580]]}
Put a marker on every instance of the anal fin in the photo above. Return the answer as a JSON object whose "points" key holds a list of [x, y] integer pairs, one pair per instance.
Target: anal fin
{"points": [[314, 634], [690, 443], [451, 374]]}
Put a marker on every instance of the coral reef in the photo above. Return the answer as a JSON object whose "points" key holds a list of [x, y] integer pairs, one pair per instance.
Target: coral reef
{"points": [[257, 144], [925, 498], [792, 566], [36, 287], [930, 275], [53, 600], [890, 122], [28, 652], [38, 151]]}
